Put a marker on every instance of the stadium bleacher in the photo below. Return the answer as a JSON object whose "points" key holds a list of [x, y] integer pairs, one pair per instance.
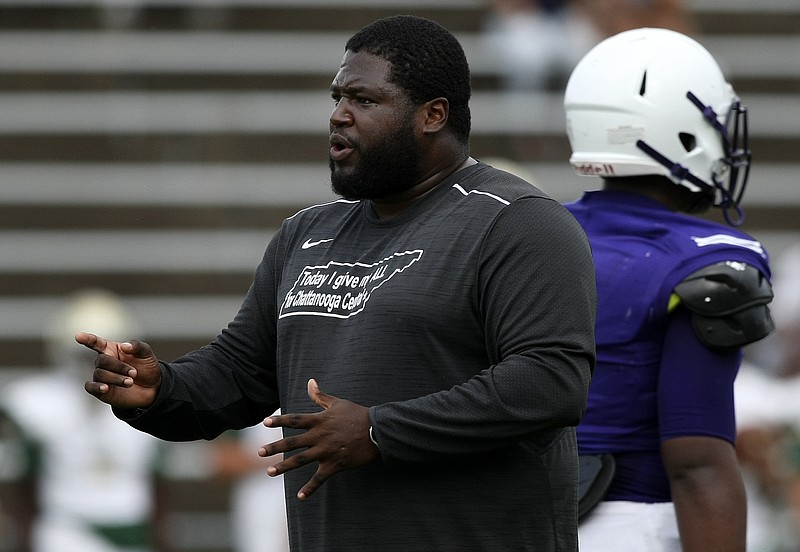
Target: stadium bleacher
{"points": [[152, 147]]}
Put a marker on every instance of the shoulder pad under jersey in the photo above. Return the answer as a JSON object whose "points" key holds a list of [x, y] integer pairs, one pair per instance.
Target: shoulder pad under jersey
{"points": [[729, 304]]}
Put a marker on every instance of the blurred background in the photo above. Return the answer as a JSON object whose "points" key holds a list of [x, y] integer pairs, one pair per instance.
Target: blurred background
{"points": [[150, 148]]}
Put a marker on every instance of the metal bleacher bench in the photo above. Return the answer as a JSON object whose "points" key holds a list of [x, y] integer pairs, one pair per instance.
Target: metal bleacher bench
{"points": [[179, 133]]}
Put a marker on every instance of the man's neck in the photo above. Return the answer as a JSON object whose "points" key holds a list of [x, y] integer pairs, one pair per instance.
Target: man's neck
{"points": [[390, 207]]}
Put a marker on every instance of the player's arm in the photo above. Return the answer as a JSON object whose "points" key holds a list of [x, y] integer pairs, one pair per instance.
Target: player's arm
{"points": [[716, 311], [708, 493], [697, 424]]}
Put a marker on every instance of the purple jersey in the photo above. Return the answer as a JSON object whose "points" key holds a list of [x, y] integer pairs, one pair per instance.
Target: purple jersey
{"points": [[654, 379]]}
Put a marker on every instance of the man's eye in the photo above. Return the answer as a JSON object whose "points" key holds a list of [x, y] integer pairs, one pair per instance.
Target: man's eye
{"points": [[337, 99]]}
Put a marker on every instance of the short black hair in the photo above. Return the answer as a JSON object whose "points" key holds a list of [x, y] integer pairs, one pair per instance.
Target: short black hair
{"points": [[427, 61]]}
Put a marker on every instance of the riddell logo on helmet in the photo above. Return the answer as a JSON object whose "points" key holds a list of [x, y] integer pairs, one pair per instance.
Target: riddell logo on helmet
{"points": [[593, 169]]}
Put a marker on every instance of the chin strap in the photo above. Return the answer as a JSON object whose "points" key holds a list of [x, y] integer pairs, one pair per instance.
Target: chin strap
{"points": [[711, 118], [675, 169], [683, 173], [727, 205]]}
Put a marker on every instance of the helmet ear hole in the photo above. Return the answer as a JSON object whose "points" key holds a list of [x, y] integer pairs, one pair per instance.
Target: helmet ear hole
{"points": [[688, 141]]}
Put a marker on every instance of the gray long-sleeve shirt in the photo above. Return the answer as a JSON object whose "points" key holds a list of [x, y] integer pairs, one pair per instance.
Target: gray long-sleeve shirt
{"points": [[466, 323]]}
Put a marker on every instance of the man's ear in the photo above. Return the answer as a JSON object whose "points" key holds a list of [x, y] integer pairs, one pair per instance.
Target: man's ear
{"points": [[434, 115]]}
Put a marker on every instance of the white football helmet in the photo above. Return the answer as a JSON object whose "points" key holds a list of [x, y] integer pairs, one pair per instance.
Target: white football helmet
{"points": [[654, 101], [90, 310]]}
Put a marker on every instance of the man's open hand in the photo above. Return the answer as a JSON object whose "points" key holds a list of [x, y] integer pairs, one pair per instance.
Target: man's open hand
{"points": [[337, 438]]}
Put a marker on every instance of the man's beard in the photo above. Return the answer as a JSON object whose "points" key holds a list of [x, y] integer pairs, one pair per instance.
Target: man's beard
{"points": [[390, 167]]}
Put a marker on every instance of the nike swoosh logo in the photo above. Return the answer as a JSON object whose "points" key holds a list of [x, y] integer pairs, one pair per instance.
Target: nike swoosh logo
{"points": [[311, 243]]}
